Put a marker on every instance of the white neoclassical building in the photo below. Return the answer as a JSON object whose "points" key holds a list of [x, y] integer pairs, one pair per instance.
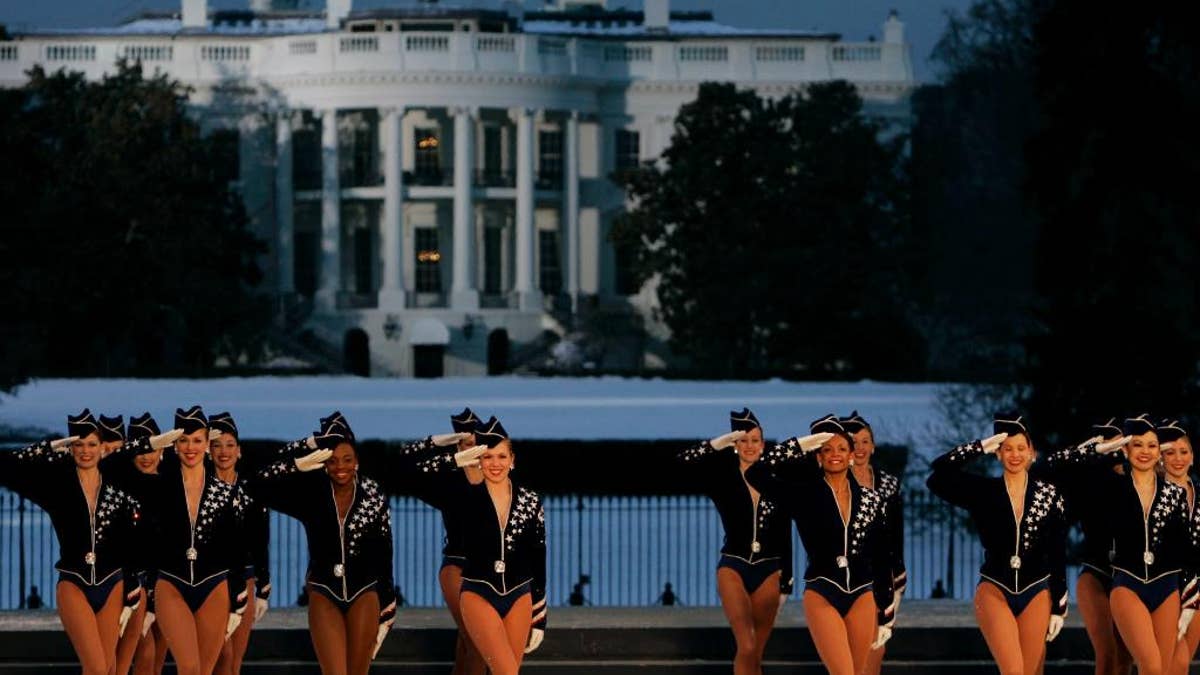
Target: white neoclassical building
{"points": [[433, 182]]}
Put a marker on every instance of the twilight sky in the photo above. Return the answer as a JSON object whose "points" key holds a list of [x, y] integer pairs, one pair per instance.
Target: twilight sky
{"points": [[854, 19]]}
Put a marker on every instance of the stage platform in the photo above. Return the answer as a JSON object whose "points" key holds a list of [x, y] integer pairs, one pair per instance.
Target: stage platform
{"points": [[933, 636]]}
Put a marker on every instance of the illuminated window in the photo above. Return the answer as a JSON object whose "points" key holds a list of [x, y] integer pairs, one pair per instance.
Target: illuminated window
{"points": [[429, 258], [426, 156]]}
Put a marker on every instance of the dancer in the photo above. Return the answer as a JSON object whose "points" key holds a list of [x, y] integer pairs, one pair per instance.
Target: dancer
{"points": [[1021, 599], [1177, 465], [1085, 505], [503, 597], [198, 547], [226, 452], [95, 523], [848, 591], [888, 487], [347, 520], [1153, 543], [754, 569], [151, 650]]}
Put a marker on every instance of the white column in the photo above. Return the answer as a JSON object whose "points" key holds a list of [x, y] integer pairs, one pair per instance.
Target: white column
{"points": [[391, 291], [330, 281], [571, 208], [463, 293], [285, 220], [527, 295]]}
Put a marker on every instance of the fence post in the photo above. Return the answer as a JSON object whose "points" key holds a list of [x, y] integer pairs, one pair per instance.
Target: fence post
{"points": [[21, 552], [950, 560]]}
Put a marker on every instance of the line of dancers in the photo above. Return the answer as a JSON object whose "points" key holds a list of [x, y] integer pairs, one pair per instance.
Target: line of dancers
{"points": [[168, 551]]}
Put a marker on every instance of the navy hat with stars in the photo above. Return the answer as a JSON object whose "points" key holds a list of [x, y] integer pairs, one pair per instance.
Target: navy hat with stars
{"points": [[465, 421], [112, 428], [829, 424], [1107, 429], [854, 423], [336, 426], [743, 421], [1141, 424], [1009, 423], [1170, 430], [490, 433], [190, 420], [82, 424], [224, 423], [142, 426]]}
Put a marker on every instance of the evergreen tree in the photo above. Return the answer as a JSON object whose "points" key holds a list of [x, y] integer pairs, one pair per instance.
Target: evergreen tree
{"points": [[126, 242]]}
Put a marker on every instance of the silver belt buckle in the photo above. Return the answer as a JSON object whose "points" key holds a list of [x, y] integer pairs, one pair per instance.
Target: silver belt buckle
{"points": [[499, 567], [1015, 562], [755, 547], [1148, 557], [843, 562], [90, 557], [192, 553], [339, 570]]}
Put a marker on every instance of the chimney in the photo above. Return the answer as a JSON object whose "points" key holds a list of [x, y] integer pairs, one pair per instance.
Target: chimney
{"points": [[657, 15], [893, 29], [335, 11], [195, 14]]}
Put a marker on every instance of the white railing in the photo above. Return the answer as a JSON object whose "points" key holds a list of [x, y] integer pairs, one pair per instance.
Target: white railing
{"points": [[358, 43], [70, 52], [857, 53], [768, 53], [704, 53], [626, 54], [427, 43], [302, 47], [148, 52], [494, 43], [225, 52]]}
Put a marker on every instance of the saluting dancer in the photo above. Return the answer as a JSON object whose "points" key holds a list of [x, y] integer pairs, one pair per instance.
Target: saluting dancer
{"points": [[754, 570], [1021, 599], [848, 594]]}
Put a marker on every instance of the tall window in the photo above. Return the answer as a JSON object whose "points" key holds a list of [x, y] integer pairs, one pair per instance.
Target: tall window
{"points": [[359, 150], [623, 277], [426, 158], [493, 260], [627, 142], [493, 158], [550, 157], [226, 154], [429, 258], [549, 264], [306, 158]]}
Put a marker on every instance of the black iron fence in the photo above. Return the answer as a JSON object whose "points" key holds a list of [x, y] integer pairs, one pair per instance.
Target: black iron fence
{"points": [[620, 551]]}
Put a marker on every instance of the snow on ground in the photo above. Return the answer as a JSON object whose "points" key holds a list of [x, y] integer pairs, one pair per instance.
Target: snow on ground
{"points": [[542, 408]]}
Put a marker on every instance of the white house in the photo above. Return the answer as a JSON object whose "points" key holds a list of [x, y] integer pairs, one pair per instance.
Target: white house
{"points": [[433, 181]]}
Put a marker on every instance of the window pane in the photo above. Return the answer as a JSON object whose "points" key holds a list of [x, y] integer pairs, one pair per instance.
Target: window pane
{"points": [[550, 269], [627, 149], [429, 257]]}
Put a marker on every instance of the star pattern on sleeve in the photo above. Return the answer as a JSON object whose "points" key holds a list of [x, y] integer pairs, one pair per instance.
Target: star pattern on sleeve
{"points": [[369, 518]]}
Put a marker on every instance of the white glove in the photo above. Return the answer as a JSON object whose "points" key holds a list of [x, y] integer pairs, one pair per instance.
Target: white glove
{"points": [[727, 440], [535, 640], [1113, 445], [1185, 619], [814, 441], [992, 443], [470, 456], [213, 434], [235, 620], [384, 629], [261, 605], [122, 620], [882, 635], [313, 460], [442, 440], [1056, 624], [147, 622], [63, 444], [165, 439]]}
